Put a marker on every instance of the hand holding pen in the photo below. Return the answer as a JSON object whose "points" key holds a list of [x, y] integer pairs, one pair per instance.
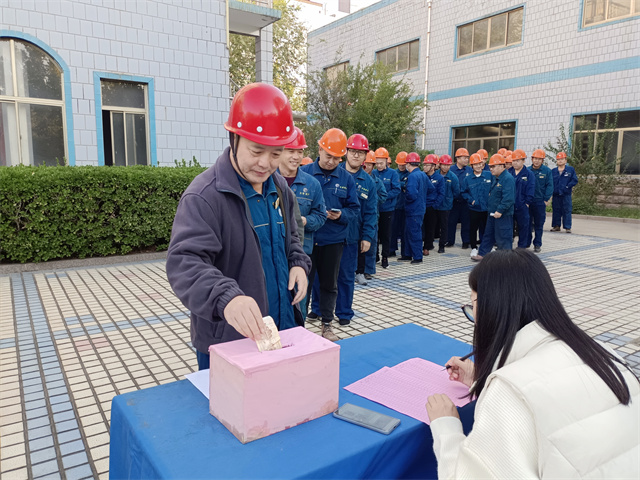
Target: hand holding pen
{"points": [[461, 369]]}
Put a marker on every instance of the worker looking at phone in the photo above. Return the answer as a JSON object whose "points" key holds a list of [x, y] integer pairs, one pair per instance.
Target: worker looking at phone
{"points": [[551, 401]]}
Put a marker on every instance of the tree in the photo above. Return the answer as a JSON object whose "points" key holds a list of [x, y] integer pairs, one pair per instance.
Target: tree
{"points": [[367, 100], [289, 55]]}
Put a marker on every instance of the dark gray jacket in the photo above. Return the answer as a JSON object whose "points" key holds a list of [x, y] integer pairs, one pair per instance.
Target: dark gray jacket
{"points": [[214, 254]]}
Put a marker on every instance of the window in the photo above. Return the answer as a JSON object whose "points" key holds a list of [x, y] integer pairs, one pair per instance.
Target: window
{"points": [[616, 135], [599, 11], [124, 122], [490, 33], [32, 117], [401, 57], [335, 70], [491, 137]]}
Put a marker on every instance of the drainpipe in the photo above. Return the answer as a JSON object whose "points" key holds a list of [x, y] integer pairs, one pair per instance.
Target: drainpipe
{"points": [[426, 73]]}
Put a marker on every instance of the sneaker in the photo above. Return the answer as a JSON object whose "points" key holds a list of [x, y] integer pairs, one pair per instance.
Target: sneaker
{"points": [[476, 258], [568, 230], [413, 262], [448, 244], [344, 321], [368, 276], [360, 279], [385, 262], [555, 229], [474, 252], [312, 316], [465, 246], [536, 249], [441, 250], [327, 332], [404, 258]]}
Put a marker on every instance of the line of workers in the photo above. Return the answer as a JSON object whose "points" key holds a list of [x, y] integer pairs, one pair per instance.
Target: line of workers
{"points": [[354, 213]]}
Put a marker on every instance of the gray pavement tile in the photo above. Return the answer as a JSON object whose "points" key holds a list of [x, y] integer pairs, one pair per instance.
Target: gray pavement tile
{"points": [[45, 468], [40, 443], [43, 455], [79, 472], [74, 460]]}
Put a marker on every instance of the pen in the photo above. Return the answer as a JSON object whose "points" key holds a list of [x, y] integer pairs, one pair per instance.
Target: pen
{"points": [[461, 359]]}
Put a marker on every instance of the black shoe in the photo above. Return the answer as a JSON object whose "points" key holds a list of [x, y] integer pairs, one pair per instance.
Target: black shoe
{"points": [[465, 246], [312, 316], [441, 250], [413, 262], [392, 254], [385, 262], [404, 258], [448, 244], [344, 321], [536, 249], [368, 276]]}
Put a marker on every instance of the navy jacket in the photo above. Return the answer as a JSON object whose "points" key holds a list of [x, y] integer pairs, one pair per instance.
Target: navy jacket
{"points": [[416, 195], [214, 254], [402, 176], [451, 191], [380, 191], [544, 183], [525, 187], [311, 202], [435, 197], [475, 190], [502, 194], [391, 183], [461, 173], [367, 225], [339, 191], [563, 183]]}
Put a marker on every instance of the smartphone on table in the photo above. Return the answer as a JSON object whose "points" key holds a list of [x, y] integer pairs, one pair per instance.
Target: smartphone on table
{"points": [[367, 418]]}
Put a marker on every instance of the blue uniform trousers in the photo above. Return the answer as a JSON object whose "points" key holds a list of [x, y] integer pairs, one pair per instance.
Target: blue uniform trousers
{"points": [[459, 213], [370, 258], [521, 217], [397, 232], [537, 216], [413, 236], [562, 207], [498, 231]]}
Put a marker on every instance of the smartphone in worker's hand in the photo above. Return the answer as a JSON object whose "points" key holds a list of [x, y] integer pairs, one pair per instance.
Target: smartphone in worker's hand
{"points": [[367, 418], [336, 210]]}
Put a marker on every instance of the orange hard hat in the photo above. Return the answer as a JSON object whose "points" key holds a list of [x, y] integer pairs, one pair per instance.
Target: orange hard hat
{"points": [[507, 153], [483, 154], [401, 158], [462, 152], [561, 155], [371, 157], [299, 142], [306, 161], [539, 153], [334, 142], [502, 151], [358, 141], [474, 159], [518, 154], [413, 158], [382, 153], [508, 159], [496, 159], [446, 160], [432, 158]]}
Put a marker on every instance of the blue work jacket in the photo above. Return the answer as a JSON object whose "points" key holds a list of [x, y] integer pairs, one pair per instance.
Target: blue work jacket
{"points": [[461, 173], [391, 183], [475, 190], [564, 182], [451, 190], [402, 176], [502, 194], [367, 226], [416, 195], [544, 183], [339, 191], [435, 197], [380, 191], [311, 202], [525, 187]]}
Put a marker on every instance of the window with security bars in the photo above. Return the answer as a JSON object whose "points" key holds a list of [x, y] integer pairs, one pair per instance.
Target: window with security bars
{"points": [[616, 135], [497, 31], [600, 11], [401, 57], [334, 70], [32, 111], [491, 137], [124, 123]]}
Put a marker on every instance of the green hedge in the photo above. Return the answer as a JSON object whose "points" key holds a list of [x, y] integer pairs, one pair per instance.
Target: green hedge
{"points": [[49, 213]]}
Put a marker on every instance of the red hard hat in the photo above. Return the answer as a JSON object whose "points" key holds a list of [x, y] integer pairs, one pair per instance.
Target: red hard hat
{"points": [[518, 154], [371, 157], [483, 154], [261, 113], [462, 152], [496, 159], [539, 153], [561, 155], [413, 158], [432, 158], [306, 161], [299, 142], [358, 141], [382, 153], [401, 158], [334, 142], [446, 160], [475, 159]]}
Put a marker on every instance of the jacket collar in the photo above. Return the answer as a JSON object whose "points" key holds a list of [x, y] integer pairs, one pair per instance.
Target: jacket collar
{"points": [[316, 170], [227, 179]]}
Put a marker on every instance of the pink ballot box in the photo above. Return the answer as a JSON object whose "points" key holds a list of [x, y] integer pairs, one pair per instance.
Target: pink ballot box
{"points": [[256, 394]]}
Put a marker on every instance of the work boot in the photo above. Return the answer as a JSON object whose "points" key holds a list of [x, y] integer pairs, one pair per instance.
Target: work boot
{"points": [[360, 279], [404, 258], [327, 332], [536, 249], [413, 262], [385, 262], [555, 229], [312, 316], [441, 250], [344, 321]]}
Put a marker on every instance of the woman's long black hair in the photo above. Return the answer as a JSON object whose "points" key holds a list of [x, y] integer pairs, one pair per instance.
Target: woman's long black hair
{"points": [[515, 289]]}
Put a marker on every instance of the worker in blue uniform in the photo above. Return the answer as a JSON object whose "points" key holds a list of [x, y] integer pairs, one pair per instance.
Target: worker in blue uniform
{"points": [[541, 198], [392, 184], [397, 231], [525, 191], [502, 196], [430, 220], [475, 190], [367, 260], [459, 210], [451, 191], [343, 208], [564, 179]]}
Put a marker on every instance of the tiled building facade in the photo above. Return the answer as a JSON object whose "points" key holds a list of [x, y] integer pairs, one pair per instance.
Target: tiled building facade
{"points": [[502, 73]]}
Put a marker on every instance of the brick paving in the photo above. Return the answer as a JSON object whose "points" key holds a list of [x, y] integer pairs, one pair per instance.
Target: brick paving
{"points": [[71, 339]]}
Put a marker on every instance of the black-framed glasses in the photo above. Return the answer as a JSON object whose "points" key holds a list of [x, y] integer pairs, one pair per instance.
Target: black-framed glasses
{"points": [[468, 312], [356, 153]]}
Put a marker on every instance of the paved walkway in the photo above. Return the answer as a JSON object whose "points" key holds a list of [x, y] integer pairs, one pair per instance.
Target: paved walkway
{"points": [[71, 339]]}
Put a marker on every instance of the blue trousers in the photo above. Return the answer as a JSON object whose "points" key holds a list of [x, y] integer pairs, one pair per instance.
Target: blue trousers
{"points": [[459, 214], [346, 283], [562, 207], [397, 230], [370, 258], [413, 236], [537, 217], [498, 231], [521, 217]]}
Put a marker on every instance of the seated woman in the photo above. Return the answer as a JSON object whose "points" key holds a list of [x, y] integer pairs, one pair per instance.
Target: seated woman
{"points": [[551, 401]]}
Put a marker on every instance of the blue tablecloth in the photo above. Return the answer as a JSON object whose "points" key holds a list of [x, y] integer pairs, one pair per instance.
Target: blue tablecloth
{"points": [[167, 431]]}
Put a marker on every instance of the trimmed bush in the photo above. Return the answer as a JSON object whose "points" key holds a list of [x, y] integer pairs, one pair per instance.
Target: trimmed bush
{"points": [[50, 213]]}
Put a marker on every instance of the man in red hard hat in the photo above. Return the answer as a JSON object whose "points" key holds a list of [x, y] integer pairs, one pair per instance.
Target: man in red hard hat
{"points": [[235, 227]]}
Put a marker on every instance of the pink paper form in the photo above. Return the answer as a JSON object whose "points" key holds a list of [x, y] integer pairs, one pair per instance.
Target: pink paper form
{"points": [[405, 387]]}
